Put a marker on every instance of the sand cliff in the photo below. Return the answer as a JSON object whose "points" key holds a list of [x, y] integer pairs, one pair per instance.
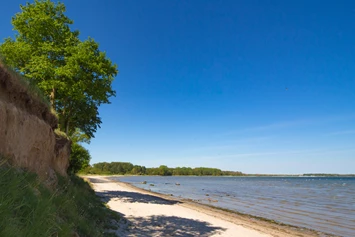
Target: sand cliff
{"points": [[27, 136]]}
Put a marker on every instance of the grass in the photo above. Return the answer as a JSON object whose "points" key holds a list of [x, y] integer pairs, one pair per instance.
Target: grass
{"points": [[61, 133], [31, 87], [27, 208]]}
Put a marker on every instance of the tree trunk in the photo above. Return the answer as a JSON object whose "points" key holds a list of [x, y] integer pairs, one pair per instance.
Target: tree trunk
{"points": [[67, 128], [52, 97]]}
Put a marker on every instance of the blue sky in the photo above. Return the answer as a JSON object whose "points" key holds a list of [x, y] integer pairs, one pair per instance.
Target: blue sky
{"points": [[203, 83]]}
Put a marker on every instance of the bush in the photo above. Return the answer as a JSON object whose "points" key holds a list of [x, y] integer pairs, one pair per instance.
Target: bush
{"points": [[79, 158]]}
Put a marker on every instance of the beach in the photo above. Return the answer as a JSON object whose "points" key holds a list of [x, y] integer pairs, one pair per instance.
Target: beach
{"points": [[146, 213]]}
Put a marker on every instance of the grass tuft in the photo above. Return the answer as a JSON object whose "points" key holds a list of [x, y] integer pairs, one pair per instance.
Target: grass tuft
{"points": [[27, 208], [61, 133]]}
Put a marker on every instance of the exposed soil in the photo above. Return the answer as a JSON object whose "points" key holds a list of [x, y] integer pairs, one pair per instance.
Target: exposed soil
{"points": [[12, 90], [27, 137]]}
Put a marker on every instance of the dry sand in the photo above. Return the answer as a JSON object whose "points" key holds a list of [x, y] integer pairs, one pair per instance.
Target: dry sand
{"points": [[149, 214]]}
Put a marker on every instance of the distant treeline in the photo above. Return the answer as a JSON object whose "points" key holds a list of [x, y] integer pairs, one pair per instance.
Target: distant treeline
{"points": [[301, 175], [330, 175], [122, 168]]}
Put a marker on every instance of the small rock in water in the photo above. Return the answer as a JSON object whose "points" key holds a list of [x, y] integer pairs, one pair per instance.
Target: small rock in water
{"points": [[151, 184], [177, 184], [144, 182], [212, 200]]}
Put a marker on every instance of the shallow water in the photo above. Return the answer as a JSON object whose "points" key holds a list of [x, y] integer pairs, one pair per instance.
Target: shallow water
{"points": [[325, 204]]}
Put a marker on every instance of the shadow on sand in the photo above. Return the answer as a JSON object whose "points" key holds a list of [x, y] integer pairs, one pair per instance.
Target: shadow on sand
{"points": [[156, 225], [170, 226], [94, 180], [132, 197]]}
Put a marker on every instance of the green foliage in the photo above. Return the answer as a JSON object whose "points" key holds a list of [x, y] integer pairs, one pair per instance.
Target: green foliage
{"points": [[183, 171], [138, 170], [79, 137], [27, 84], [74, 74], [79, 158], [122, 168], [162, 170], [113, 168], [60, 133], [29, 209]]}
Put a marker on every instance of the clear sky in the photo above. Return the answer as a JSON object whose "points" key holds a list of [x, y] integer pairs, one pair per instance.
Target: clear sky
{"points": [[203, 83]]}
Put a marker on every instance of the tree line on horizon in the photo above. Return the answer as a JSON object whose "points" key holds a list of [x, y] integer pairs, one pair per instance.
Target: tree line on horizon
{"points": [[126, 168]]}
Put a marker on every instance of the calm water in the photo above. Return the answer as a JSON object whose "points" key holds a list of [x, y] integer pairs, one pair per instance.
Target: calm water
{"points": [[324, 204]]}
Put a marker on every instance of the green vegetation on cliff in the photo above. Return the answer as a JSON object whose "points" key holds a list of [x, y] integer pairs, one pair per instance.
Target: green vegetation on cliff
{"points": [[57, 74], [123, 168], [72, 74], [26, 85], [28, 208]]}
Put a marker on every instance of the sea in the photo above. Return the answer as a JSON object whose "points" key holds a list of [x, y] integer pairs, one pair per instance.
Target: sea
{"points": [[325, 204]]}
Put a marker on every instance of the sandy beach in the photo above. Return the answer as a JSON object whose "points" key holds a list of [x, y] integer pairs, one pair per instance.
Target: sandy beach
{"points": [[149, 214]]}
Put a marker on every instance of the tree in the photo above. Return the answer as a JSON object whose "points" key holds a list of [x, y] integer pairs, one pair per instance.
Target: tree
{"points": [[164, 170], [74, 74], [79, 158]]}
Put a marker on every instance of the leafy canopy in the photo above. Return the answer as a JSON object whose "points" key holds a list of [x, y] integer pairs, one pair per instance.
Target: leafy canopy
{"points": [[74, 74]]}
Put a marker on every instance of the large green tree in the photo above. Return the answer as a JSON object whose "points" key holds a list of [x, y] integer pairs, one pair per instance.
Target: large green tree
{"points": [[74, 74]]}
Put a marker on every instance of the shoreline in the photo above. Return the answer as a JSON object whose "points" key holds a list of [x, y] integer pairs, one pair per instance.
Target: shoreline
{"points": [[234, 214], [249, 222]]}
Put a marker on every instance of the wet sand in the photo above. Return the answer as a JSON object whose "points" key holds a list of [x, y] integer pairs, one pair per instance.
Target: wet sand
{"points": [[150, 214]]}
